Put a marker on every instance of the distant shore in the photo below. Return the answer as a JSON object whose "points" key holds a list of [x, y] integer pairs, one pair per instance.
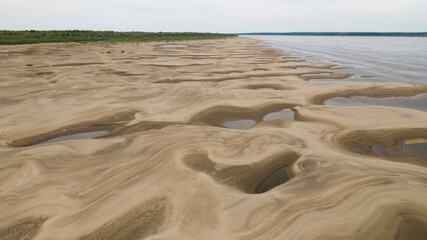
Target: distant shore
{"points": [[361, 34], [32, 36]]}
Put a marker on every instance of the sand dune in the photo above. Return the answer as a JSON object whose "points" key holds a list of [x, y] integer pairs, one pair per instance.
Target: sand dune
{"points": [[168, 169]]}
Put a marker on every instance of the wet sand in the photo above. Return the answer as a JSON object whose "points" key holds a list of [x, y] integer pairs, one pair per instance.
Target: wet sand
{"points": [[167, 168]]}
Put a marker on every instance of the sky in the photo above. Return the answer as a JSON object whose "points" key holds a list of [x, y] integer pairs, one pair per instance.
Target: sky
{"points": [[227, 16]]}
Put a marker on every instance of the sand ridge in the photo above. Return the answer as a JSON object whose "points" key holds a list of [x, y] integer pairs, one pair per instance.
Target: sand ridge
{"points": [[167, 169]]}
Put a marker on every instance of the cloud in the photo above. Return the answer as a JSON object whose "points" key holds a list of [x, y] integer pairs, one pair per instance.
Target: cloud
{"points": [[216, 16]]}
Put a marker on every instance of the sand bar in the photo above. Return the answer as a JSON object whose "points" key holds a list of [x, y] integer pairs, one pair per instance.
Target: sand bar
{"points": [[168, 169]]}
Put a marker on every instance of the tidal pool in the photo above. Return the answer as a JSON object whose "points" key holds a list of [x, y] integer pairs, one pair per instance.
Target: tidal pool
{"points": [[86, 135]]}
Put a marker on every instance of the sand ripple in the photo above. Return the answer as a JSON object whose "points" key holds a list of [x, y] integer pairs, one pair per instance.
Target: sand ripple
{"points": [[167, 169]]}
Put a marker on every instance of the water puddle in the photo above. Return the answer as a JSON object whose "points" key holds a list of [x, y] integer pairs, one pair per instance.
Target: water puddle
{"points": [[232, 73], [76, 64], [265, 88], [359, 150], [86, 135], [417, 147], [228, 80], [239, 124], [278, 178], [381, 151], [285, 114], [417, 102], [173, 46]]}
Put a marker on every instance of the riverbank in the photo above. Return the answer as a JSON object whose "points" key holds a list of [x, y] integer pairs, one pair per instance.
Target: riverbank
{"points": [[28, 37], [168, 167]]}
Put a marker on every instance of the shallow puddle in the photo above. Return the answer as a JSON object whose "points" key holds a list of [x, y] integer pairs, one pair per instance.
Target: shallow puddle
{"points": [[417, 102], [234, 73], [173, 46], [359, 150], [381, 151], [416, 147], [76, 64], [265, 88], [285, 114], [239, 124], [279, 177], [86, 135]]}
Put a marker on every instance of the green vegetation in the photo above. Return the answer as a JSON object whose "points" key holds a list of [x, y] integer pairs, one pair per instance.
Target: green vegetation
{"points": [[29, 65], [26, 37], [373, 34]]}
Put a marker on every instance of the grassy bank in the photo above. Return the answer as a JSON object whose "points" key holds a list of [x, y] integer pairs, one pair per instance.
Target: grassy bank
{"points": [[26, 37]]}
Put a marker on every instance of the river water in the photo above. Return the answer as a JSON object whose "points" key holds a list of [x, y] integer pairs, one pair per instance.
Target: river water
{"points": [[389, 59]]}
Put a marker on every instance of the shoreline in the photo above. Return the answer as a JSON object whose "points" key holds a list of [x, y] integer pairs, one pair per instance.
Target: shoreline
{"points": [[168, 169]]}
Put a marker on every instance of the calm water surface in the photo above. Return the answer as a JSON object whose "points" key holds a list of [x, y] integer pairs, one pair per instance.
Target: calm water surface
{"points": [[392, 59]]}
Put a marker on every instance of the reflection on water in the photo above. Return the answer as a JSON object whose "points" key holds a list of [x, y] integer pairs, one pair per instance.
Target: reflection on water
{"points": [[86, 135], [395, 59], [285, 114], [418, 102], [274, 180]]}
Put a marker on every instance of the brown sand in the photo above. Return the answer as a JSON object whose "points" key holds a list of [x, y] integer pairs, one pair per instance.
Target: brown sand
{"points": [[167, 170]]}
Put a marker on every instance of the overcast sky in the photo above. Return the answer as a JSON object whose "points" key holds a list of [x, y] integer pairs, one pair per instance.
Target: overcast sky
{"points": [[215, 15]]}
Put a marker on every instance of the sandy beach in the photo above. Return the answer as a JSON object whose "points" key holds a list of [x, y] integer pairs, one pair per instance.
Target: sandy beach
{"points": [[167, 168]]}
